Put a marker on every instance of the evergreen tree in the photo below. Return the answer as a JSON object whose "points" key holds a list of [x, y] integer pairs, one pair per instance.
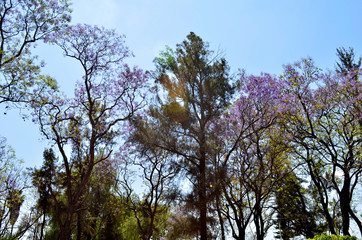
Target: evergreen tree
{"points": [[43, 180], [346, 61], [197, 87], [296, 215]]}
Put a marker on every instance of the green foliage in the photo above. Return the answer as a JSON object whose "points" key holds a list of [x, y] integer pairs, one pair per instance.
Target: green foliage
{"points": [[176, 112], [13, 183], [325, 236], [196, 89], [296, 215], [347, 61], [166, 58], [104, 213]]}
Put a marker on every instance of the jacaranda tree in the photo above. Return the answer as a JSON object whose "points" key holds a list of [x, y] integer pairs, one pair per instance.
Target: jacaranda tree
{"points": [[252, 152], [323, 123], [109, 93]]}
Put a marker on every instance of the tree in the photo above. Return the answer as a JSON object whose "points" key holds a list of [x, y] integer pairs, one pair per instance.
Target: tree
{"points": [[297, 96], [109, 94], [324, 127], [44, 180], [103, 212], [253, 155], [347, 63], [151, 210], [198, 90], [13, 184], [22, 24], [297, 213]]}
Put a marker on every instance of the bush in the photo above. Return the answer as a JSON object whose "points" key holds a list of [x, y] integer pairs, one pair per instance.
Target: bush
{"points": [[325, 236]]}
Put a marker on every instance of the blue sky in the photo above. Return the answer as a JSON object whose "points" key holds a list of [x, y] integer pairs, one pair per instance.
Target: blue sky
{"points": [[255, 35]]}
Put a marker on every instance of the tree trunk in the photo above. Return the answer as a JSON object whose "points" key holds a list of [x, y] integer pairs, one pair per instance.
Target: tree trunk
{"points": [[202, 184], [65, 229], [203, 200], [42, 226], [220, 218], [323, 201], [345, 204], [355, 218], [258, 219], [79, 226], [241, 234]]}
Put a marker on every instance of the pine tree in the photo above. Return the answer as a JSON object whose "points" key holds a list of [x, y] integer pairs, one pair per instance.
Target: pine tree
{"points": [[347, 62], [196, 89]]}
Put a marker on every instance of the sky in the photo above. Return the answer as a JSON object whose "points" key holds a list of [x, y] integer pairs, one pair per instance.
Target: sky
{"points": [[255, 35]]}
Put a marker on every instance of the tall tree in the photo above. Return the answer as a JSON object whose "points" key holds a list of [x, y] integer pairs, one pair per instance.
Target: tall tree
{"points": [[253, 155], [324, 127], [109, 94], [197, 89], [44, 180]]}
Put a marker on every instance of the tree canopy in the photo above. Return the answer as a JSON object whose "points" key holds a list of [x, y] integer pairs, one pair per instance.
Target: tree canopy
{"points": [[186, 150]]}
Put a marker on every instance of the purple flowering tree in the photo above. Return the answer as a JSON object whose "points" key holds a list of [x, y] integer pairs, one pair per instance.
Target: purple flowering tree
{"points": [[323, 120], [22, 24], [109, 93], [252, 153]]}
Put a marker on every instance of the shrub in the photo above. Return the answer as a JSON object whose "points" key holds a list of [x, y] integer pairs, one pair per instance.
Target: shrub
{"points": [[325, 236]]}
